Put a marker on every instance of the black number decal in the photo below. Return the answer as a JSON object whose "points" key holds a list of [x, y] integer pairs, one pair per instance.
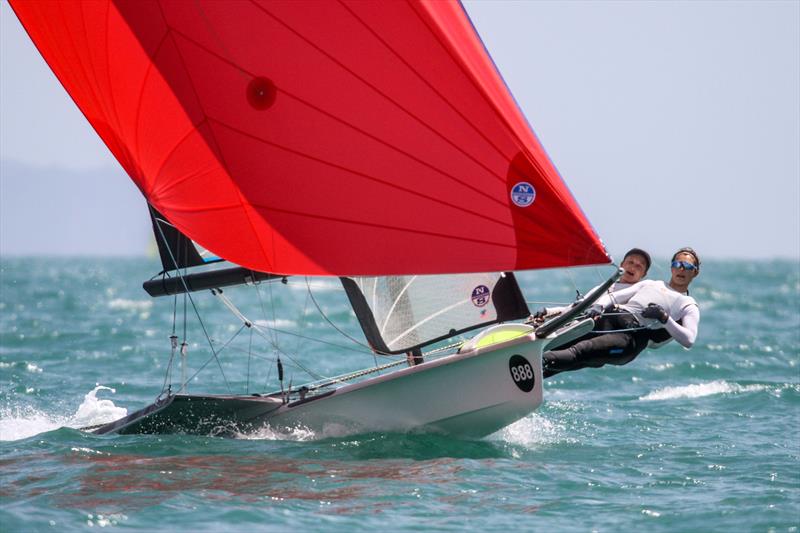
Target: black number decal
{"points": [[522, 373]]}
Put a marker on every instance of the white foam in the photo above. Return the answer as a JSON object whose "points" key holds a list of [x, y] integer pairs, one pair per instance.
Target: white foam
{"points": [[130, 305], [532, 431], [699, 390], [299, 434], [280, 323], [21, 423], [95, 411]]}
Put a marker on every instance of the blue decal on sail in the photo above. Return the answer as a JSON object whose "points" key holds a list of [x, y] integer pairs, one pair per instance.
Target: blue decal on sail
{"points": [[480, 295], [523, 194]]}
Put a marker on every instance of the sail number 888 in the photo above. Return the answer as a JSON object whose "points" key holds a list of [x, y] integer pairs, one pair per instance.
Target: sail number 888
{"points": [[522, 373]]}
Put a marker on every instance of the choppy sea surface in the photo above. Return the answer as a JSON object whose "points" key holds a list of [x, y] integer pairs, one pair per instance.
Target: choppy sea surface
{"points": [[699, 440]]}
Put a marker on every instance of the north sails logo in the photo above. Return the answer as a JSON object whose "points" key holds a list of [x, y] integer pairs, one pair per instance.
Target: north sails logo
{"points": [[523, 194], [480, 295]]}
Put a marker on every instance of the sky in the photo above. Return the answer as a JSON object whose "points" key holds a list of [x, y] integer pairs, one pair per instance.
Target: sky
{"points": [[672, 123]]}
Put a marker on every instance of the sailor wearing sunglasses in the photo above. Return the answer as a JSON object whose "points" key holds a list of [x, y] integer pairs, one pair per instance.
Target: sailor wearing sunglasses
{"points": [[632, 317]]}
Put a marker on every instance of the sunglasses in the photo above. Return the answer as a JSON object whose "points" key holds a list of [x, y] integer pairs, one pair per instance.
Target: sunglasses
{"points": [[684, 265]]}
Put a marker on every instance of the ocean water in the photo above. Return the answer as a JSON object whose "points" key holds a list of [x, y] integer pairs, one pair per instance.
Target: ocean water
{"points": [[699, 440]]}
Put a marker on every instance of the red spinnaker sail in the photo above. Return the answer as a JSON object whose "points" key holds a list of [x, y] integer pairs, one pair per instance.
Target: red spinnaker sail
{"points": [[317, 137]]}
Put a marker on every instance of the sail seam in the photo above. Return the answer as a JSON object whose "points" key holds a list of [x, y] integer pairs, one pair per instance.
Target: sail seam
{"points": [[361, 174], [217, 151], [150, 68], [382, 226], [367, 134], [499, 202], [426, 82], [386, 97]]}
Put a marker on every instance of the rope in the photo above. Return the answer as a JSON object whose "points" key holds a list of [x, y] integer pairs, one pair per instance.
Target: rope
{"points": [[197, 313], [249, 355], [354, 375], [624, 330], [214, 356], [255, 327], [321, 312]]}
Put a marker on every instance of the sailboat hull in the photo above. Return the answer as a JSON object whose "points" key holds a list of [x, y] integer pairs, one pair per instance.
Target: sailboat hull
{"points": [[471, 394]]}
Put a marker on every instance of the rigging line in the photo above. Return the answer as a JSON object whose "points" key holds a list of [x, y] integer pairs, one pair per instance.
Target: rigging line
{"points": [[263, 310], [302, 324], [600, 276], [322, 313], [444, 348], [249, 355], [196, 311], [272, 305], [168, 373], [269, 373], [571, 277], [343, 379], [349, 348], [276, 348], [214, 356], [623, 330], [292, 362], [247, 322]]}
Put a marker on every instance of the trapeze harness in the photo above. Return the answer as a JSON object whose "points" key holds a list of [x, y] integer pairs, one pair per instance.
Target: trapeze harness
{"points": [[628, 333]]}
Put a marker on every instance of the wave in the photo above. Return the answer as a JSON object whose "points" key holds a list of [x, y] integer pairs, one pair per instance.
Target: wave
{"points": [[130, 305], [21, 423], [30, 367], [278, 323], [699, 390]]}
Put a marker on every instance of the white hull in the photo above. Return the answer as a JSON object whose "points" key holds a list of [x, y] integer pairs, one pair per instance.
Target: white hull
{"points": [[470, 394], [493, 381]]}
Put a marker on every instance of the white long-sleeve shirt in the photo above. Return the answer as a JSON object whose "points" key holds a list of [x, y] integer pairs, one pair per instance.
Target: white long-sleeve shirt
{"points": [[679, 306]]}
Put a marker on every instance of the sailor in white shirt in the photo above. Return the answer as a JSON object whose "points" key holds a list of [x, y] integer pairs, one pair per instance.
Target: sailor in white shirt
{"points": [[636, 315]]}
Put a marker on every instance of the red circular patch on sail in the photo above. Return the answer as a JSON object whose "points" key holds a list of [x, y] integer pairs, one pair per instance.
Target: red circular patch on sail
{"points": [[261, 93]]}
